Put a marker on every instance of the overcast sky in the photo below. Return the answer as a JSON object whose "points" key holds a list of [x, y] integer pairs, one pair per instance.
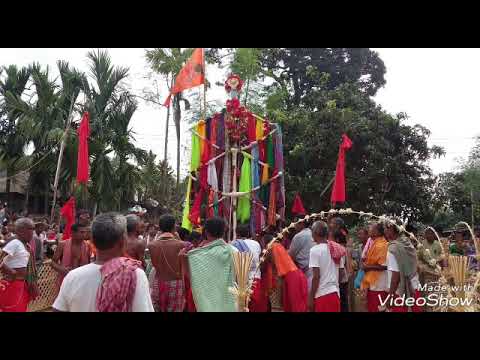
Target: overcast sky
{"points": [[437, 88]]}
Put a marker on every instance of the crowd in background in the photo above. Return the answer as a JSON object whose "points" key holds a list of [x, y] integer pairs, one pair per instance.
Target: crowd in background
{"points": [[315, 267]]}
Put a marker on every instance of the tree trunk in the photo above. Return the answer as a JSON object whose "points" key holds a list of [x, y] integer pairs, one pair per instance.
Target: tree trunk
{"points": [[45, 204], [7, 190], [27, 198], [176, 118]]}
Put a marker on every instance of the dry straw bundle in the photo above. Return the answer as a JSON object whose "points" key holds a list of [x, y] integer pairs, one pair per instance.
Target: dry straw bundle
{"points": [[458, 266], [242, 262]]}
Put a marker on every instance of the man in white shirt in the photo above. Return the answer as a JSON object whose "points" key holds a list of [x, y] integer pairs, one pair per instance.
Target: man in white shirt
{"points": [[95, 287], [402, 269], [258, 302], [324, 293]]}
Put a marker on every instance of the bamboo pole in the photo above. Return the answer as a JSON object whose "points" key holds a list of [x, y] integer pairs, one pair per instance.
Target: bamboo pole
{"points": [[473, 216], [204, 86], [234, 190], [59, 162]]}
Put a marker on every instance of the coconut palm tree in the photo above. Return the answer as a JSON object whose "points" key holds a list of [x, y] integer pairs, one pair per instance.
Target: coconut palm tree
{"points": [[168, 62], [111, 107], [12, 144], [42, 123]]}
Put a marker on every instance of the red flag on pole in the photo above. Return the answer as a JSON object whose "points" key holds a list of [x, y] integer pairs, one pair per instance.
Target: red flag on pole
{"points": [[68, 212], [297, 207], [338, 191], [191, 75], [82, 160]]}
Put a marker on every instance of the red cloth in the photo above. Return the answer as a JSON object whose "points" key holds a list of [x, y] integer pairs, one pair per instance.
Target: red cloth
{"points": [[272, 206], [337, 251], [68, 212], [373, 299], [117, 289], [191, 75], [194, 215], [338, 191], [259, 299], [171, 295], [327, 303], [14, 296], [415, 308], [297, 207], [251, 128], [295, 293], [189, 303], [82, 160]]}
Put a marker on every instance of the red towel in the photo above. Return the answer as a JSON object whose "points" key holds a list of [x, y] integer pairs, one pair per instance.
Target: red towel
{"points": [[117, 289], [337, 251]]}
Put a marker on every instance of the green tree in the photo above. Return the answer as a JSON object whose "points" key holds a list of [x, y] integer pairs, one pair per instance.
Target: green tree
{"points": [[168, 62], [42, 123], [111, 108], [13, 82], [316, 94]]}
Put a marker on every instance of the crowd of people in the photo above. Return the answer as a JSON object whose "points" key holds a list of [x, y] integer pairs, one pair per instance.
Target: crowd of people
{"points": [[123, 263]]}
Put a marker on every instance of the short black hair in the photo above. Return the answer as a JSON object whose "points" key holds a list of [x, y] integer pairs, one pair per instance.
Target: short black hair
{"points": [[339, 236], [166, 223], [184, 234], [108, 229], [132, 222], [243, 230], [380, 228], [215, 226], [195, 236]]}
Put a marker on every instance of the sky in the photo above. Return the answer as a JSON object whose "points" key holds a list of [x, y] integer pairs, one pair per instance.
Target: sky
{"points": [[437, 88]]}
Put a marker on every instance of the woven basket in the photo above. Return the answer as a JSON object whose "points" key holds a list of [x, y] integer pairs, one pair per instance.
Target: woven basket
{"points": [[46, 286], [359, 300], [276, 296]]}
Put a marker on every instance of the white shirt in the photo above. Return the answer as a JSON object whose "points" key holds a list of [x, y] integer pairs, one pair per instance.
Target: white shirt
{"points": [[79, 291], [392, 265], [17, 256], [256, 250], [320, 258]]}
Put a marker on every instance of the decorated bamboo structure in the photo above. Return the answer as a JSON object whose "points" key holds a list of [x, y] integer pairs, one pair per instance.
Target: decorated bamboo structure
{"points": [[236, 168]]}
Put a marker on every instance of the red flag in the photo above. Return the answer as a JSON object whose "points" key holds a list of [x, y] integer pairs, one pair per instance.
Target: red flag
{"points": [[82, 160], [191, 75], [68, 212], [338, 191], [297, 207]]}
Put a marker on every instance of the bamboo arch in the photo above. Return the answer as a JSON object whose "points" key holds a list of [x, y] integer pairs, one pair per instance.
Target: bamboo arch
{"points": [[443, 275]]}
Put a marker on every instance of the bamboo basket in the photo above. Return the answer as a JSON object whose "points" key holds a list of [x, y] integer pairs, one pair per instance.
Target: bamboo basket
{"points": [[276, 296], [359, 300], [46, 285]]}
